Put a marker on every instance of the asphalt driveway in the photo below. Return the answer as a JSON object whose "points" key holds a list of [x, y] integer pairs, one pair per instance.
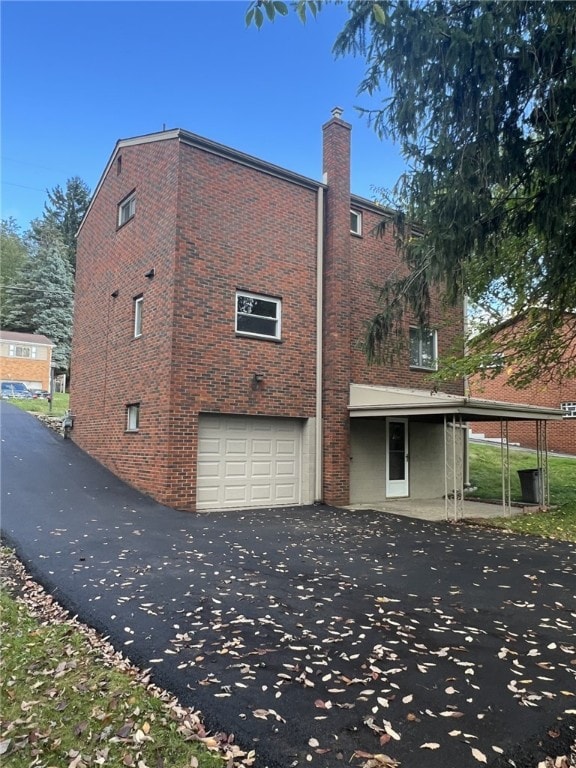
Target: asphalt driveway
{"points": [[316, 635]]}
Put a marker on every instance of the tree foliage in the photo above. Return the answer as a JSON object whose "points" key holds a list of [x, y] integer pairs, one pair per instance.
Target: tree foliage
{"points": [[482, 107], [42, 299], [14, 258], [63, 212]]}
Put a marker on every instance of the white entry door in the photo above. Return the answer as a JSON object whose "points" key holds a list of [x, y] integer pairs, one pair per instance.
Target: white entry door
{"points": [[396, 457]]}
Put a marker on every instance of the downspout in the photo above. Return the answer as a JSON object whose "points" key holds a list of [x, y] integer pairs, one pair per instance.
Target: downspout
{"points": [[319, 454]]}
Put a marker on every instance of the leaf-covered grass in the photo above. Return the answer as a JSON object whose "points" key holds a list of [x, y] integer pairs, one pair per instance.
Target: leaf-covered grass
{"points": [[71, 702], [59, 405], [558, 523]]}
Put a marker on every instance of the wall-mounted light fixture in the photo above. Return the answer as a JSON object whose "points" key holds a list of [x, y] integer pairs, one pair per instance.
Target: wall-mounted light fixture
{"points": [[115, 294], [150, 274], [257, 380]]}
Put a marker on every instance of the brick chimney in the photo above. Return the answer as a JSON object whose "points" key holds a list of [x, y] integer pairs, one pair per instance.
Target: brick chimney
{"points": [[336, 321]]}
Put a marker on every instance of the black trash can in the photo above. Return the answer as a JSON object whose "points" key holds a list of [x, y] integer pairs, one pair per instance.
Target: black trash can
{"points": [[530, 484]]}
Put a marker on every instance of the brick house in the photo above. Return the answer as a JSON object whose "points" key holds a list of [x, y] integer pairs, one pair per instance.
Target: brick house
{"points": [[219, 305], [561, 435], [26, 357]]}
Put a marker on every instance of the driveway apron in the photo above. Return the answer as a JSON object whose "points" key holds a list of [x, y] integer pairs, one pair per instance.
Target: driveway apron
{"points": [[317, 636]]}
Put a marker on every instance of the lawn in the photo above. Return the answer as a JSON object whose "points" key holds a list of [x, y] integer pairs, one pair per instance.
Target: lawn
{"points": [[59, 405], [558, 523], [68, 699]]}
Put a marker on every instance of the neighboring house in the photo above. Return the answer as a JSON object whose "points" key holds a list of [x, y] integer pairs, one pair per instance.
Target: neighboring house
{"points": [[561, 435], [26, 357], [219, 305]]}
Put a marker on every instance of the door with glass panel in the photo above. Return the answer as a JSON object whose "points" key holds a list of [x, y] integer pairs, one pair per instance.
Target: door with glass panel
{"points": [[396, 457]]}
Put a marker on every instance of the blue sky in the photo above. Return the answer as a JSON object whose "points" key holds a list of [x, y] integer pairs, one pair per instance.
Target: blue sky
{"points": [[78, 76]]}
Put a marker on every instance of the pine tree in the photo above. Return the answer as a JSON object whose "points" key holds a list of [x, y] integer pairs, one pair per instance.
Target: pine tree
{"points": [[14, 254], [45, 299], [482, 106], [63, 212]]}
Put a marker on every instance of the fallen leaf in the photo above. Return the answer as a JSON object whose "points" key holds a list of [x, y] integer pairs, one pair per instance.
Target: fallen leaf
{"points": [[390, 731], [480, 756], [430, 745]]}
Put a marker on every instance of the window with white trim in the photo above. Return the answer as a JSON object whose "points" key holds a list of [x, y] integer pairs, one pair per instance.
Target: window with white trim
{"points": [[355, 222], [132, 417], [22, 351], [569, 410], [257, 315], [423, 348], [127, 209], [138, 307]]}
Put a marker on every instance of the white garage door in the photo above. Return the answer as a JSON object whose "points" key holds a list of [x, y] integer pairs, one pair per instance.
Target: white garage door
{"points": [[248, 461]]}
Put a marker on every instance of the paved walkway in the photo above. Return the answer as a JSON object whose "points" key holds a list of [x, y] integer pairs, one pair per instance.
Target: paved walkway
{"points": [[436, 510], [316, 635]]}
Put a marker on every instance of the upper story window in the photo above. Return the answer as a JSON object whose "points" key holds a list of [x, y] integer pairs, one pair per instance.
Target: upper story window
{"points": [[423, 348], [257, 315], [127, 209], [569, 410], [138, 307], [356, 222], [133, 417], [21, 351]]}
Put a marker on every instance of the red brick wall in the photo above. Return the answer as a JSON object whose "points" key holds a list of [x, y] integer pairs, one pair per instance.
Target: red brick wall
{"points": [[239, 229], [373, 260], [110, 367], [209, 226], [561, 434], [337, 309]]}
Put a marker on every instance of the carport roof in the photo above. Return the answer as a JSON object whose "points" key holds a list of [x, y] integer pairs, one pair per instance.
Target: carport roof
{"points": [[370, 401]]}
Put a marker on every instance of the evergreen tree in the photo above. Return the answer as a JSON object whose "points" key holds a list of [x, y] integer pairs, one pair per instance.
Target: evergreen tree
{"points": [[45, 298], [63, 212], [482, 106], [14, 255]]}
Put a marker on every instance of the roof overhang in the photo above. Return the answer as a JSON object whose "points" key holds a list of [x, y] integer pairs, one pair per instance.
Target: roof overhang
{"points": [[370, 401]]}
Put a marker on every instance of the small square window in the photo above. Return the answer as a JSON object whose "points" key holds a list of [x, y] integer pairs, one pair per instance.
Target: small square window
{"points": [[127, 209], [423, 349], [133, 417], [356, 222], [257, 315], [138, 307], [569, 410]]}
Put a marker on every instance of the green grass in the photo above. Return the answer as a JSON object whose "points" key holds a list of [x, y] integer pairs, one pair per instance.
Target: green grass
{"points": [[59, 405], [558, 523], [68, 700]]}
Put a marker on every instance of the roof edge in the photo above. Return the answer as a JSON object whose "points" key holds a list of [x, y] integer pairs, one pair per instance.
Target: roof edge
{"points": [[207, 145]]}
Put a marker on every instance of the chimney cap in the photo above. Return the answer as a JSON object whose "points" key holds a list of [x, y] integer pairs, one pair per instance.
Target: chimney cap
{"points": [[337, 112]]}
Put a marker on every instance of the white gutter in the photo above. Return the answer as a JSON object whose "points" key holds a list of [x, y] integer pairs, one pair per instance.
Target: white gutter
{"points": [[319, 341]]}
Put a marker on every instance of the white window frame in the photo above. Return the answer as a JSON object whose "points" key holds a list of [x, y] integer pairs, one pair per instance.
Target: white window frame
{"points": [[419, 338], [127, 209], [569, 409], [22, 350], [133, 417], [138, 313], [260, 297], [357, 229]]}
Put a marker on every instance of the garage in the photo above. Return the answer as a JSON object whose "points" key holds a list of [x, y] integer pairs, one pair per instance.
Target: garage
{"points": [[248, 461]]}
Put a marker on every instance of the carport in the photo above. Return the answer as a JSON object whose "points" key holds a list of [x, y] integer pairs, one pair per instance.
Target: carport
{"points": [[433, 451]]}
